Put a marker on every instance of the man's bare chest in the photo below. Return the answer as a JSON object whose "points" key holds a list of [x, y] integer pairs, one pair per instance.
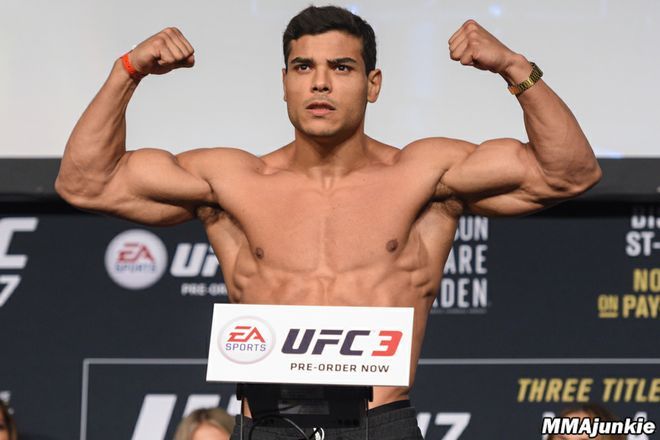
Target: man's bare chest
{"points": [[302, 227]]}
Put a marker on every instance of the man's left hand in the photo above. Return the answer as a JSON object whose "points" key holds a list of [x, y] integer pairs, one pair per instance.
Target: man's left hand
{"points": [[473, 45]]}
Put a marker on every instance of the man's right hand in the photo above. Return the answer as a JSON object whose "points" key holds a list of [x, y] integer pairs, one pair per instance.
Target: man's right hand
{"points": [[162, 52]]}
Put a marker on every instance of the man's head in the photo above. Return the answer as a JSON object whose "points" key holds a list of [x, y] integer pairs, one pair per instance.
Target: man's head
{"points": [[329, 74]]}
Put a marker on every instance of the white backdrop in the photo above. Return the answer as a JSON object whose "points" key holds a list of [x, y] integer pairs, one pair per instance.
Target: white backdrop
{"points": [[600, 56]]}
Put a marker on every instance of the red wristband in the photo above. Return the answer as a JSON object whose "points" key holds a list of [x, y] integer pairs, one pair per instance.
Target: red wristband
{"points": [[130, 69]]}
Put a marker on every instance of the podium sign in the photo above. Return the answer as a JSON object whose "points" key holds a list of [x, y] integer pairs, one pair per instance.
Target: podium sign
{"points": [[325, 345]]}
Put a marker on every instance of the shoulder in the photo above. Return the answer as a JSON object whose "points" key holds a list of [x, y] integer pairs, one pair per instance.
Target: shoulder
{"points": [[235, 156], [437, 152], [210, 161]]}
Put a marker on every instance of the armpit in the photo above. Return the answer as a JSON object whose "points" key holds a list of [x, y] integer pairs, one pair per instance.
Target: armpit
{"points": [[441, 191], [208, 214], [446, 202]]}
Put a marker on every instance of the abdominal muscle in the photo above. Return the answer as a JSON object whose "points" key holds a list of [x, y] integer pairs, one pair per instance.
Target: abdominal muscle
{"points": [[350, 268]]}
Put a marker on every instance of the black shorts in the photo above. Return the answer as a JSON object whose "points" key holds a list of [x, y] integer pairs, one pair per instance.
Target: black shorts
{"points": [[392, 421]]}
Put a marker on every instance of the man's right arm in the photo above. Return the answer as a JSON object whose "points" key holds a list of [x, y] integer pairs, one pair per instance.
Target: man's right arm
{"points": [[148, 185]]}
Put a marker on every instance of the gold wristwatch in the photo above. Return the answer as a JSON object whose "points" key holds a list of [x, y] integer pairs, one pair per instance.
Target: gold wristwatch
{"points": [[517, 89]]}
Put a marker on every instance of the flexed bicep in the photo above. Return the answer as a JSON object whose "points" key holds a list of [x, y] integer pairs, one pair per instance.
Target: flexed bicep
{"points": [[156, 187], [148, 186], [500, 177]]}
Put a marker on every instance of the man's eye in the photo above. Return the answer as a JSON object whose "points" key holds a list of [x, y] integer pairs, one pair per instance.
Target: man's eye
{"points": [[342, 68], [302, 67]]}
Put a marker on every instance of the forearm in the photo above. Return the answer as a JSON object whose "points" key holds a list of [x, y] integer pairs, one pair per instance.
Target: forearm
{"points": [[555, 137], [98, 141]]}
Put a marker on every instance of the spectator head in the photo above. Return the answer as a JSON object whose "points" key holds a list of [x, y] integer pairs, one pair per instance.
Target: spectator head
{"points": [[8, 429], [590, 411], [205, 424]]}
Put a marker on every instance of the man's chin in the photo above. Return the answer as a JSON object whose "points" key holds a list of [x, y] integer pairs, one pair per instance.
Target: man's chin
{"points": [[321, 134]]}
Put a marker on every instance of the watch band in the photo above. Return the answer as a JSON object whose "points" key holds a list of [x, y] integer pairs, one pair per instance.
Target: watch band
{"points": [[536, 74]]}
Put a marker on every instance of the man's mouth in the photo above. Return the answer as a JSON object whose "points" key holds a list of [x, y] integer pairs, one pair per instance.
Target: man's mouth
{"points": [[320, 108]]}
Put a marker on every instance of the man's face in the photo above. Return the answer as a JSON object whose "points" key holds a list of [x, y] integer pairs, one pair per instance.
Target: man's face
{"points": [[326, 88]]}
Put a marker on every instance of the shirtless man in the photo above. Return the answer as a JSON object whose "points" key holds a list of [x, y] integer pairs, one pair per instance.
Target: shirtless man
{"points": [[334, 217]]}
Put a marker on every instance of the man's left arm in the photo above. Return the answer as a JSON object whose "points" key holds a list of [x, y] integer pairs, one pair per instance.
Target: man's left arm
{"points": [[507, 176]]}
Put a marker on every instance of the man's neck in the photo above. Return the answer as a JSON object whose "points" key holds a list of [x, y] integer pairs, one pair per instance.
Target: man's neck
{"points": [[322, 158]]}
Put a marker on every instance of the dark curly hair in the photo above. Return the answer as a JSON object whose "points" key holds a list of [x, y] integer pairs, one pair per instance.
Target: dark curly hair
{"points": [[317, 20]]}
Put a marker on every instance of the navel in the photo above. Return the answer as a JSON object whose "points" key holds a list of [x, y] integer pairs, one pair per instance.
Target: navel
{"points": [[392, 245], [259, 253]]}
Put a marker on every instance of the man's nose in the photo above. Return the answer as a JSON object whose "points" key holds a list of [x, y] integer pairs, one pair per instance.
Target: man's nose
{"points": [[321, 81]]}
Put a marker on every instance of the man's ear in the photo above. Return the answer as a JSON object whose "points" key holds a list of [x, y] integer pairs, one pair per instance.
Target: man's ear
{"points": [[374, 81], [284, 85]]}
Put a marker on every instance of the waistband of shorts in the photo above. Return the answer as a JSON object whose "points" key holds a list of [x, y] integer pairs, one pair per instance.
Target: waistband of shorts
{"points": [[388, 412], [398, 404]]}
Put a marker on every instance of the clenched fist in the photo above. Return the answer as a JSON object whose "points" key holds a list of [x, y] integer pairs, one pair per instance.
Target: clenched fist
{"points": [[160, 53], [473, 45]]}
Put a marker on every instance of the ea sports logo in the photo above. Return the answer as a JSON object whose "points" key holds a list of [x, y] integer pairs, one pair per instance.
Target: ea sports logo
{"points": [[246, 340], [136, 259]]}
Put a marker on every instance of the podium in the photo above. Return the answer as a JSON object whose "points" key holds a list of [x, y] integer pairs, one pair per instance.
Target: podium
{"points": [[309, 366]]}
